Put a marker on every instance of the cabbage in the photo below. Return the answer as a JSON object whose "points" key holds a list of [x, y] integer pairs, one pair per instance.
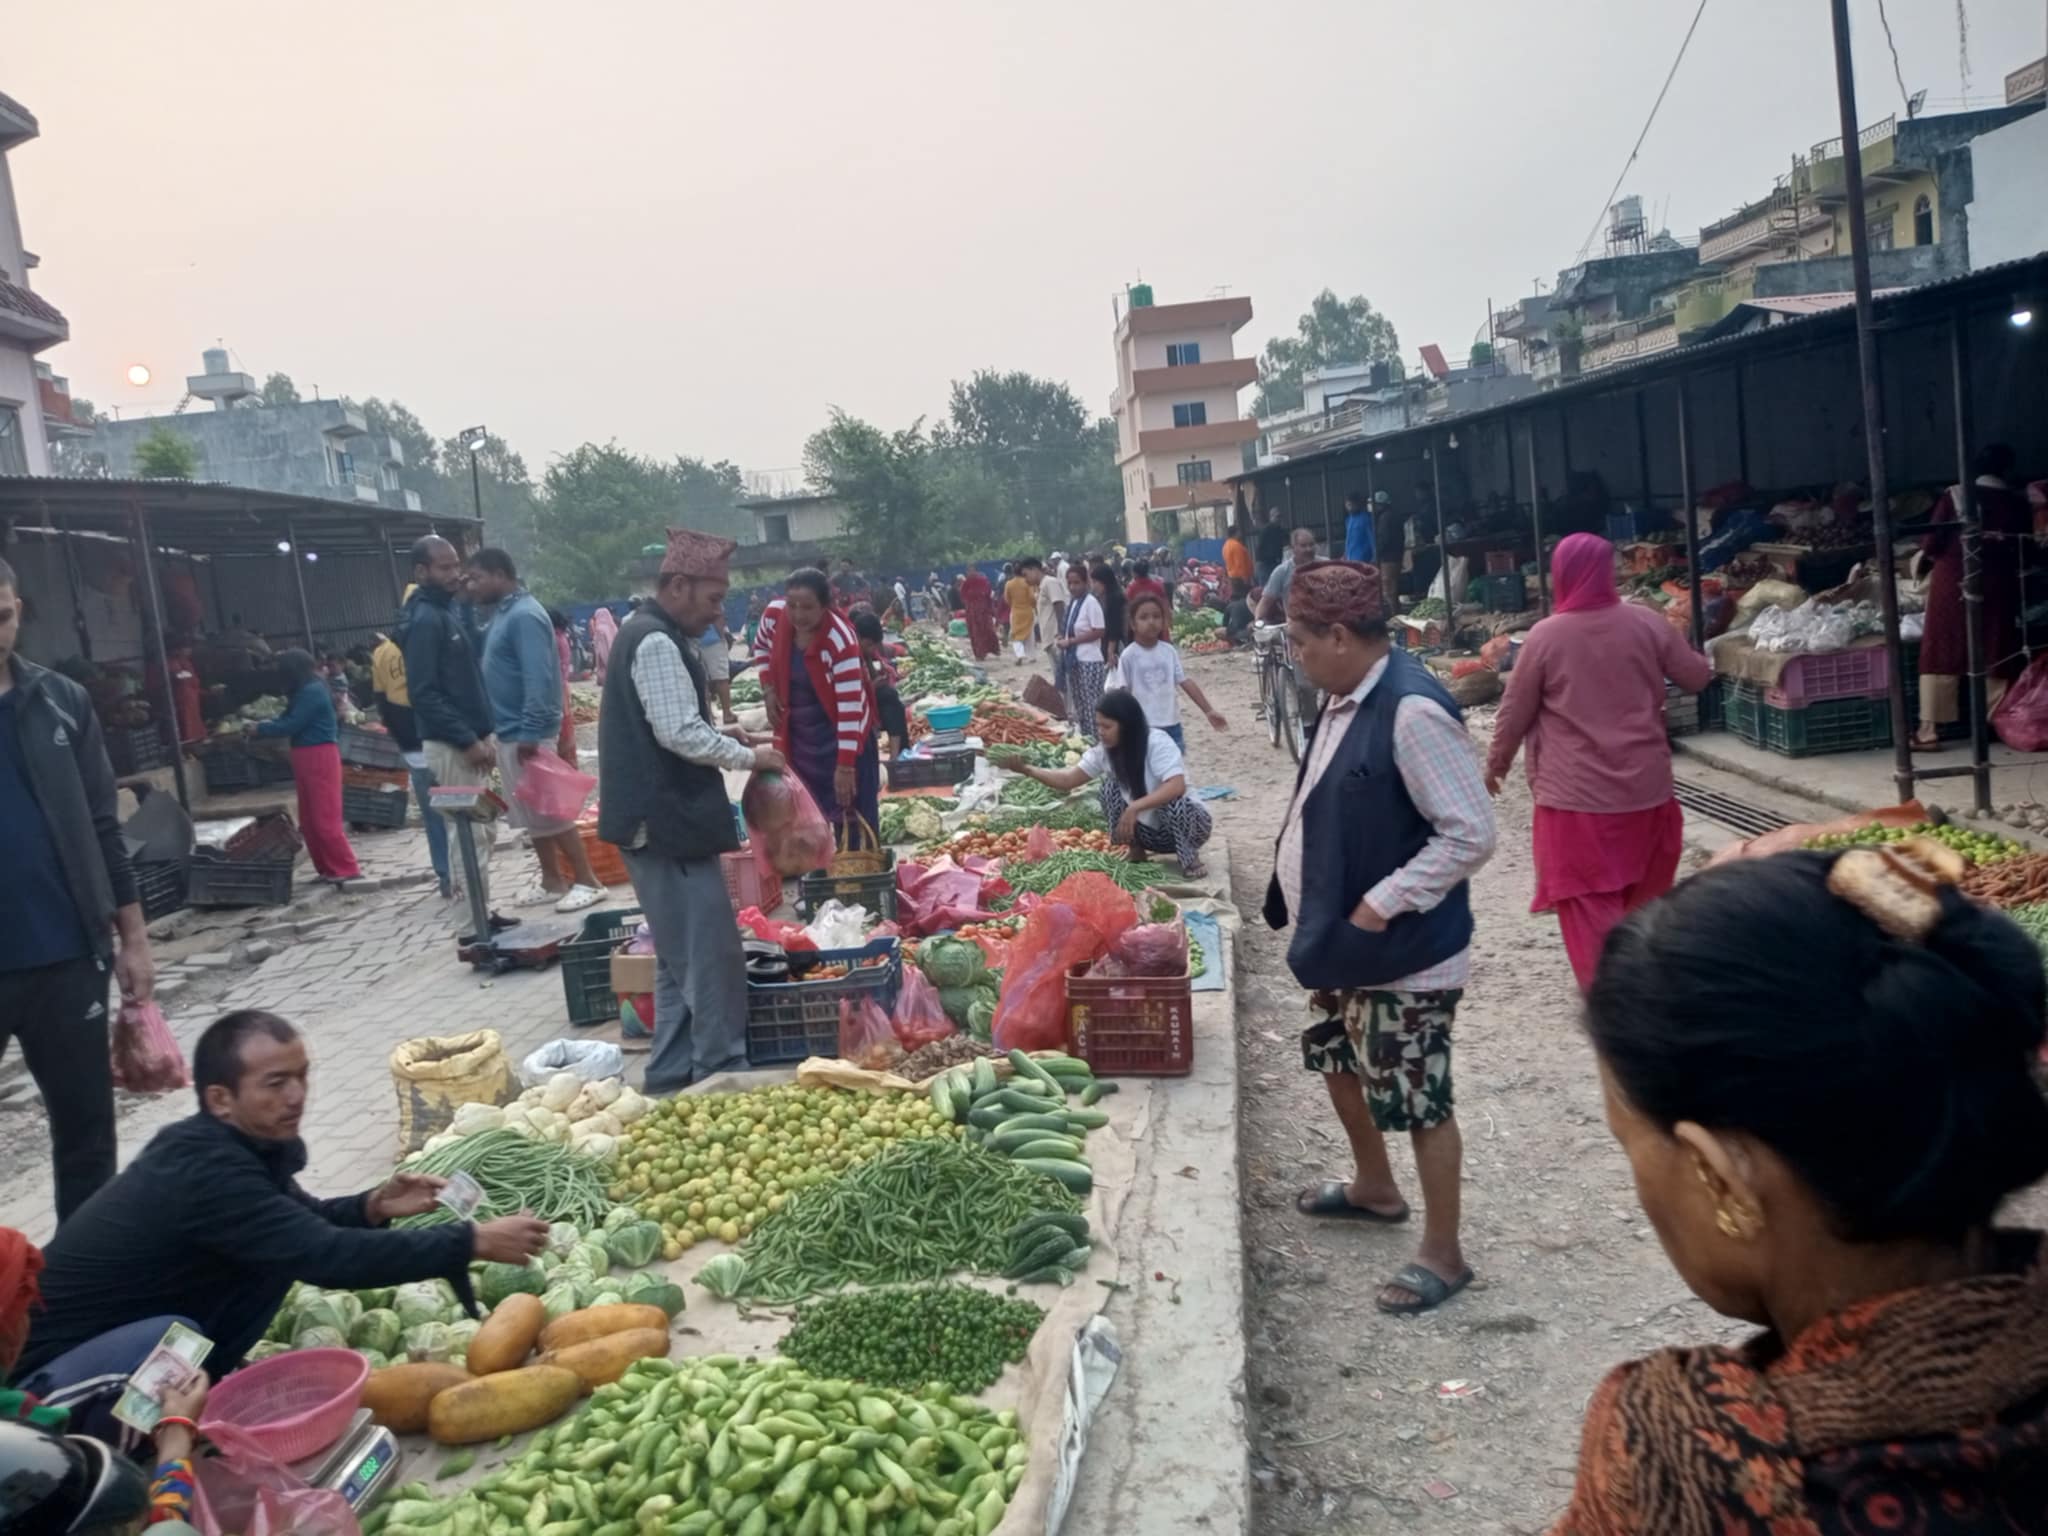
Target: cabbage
{"points": [[952, 962], [264, 1349], [590, 1256], [724, 1275], [655, 1290], [377, 1329], [378, 1360], [469, 1119], [428, 1341], [548, 1260], [317, 1310], [423, 1301], [609, 1298], [958, 1003], [502, 1280], [562, 1236], [981, 1017], [585, 1285], [620, 1216], [459, 1335], [376, 1296], [319, 1337], [347, 1307], [634, 1244], [559, 1299]]}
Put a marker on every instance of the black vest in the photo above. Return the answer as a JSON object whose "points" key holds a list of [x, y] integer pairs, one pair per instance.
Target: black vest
{"points": [[682, 806], [1359, 826]]}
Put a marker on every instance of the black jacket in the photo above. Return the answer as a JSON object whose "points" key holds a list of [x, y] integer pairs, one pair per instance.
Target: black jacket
{"points": [[442, 670], [210, 1224], [74, 786]]}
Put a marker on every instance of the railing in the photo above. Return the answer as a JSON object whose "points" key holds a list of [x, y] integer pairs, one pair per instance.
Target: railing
{"points": [[1876, 133], [1315, 426]]}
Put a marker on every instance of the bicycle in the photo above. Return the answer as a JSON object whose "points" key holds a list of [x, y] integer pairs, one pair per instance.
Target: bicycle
{"points": [[1280, 702]]}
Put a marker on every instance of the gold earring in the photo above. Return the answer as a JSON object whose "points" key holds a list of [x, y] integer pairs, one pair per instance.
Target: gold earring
{"points": [[1727, 1221]]}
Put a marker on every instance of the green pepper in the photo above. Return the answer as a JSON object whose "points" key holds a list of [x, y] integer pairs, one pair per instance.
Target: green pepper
{"points": [[744, 1506], [784, 1451], [856, 1521], [749, 1477], [751, 1437], [813, 1517], [988, 1514], [795, 1483], [755, 1524]]}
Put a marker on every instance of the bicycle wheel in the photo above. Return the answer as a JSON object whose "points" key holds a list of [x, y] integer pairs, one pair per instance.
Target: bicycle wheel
{"points": [[1287, 705], [1269, 699]]}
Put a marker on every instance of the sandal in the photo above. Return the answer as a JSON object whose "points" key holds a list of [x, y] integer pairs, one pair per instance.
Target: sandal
{"points": [[1334, 1202], [1432, 1289]]}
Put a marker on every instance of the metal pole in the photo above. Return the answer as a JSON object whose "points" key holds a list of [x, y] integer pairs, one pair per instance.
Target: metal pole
{"points": [[1690, 514], [1326, 506], [1741, 430], [476, 494], [1643, 451], [72, 579], [163, 659], [1536, 524], [291, 537], [397, 579], [1443, 546], [1873, 394], [1972, 524]]}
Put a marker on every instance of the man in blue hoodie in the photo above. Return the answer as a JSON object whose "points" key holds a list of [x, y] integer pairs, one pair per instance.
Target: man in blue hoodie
{"points": [[1359, 541], [523, 682]]}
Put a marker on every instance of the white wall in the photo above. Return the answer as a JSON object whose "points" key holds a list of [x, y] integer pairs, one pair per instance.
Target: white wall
{"points": [[2009, 215], [1156, 410], [18, 389], [1150, 349], [10, 229]]}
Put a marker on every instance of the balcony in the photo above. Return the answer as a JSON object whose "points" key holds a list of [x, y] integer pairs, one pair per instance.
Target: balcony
{"points": [[1226, 373], [27, 317], [1214, 434], [1711, 299], [1631, 342], [1879, 144]]}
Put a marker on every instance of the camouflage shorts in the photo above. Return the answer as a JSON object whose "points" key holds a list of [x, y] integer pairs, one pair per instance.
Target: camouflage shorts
{"points": [[1404, 1039]]}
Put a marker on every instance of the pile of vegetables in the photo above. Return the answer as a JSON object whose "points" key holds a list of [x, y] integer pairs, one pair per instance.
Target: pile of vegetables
{"points": [[266, 707], [715, 1165], [1195, 623], [991, 843], [939, 1055], [717, 1445], [1029, 792], [518, 1173], [746, 689], [1028, 1118], [1004, 722], [1429, 608], [2010, 883], [913, 818], [1043, 875], [1978, 847], [586, 1117], [968, 989], [921, 1210], [1078, 813], [907, 1336], [1064, 753]]}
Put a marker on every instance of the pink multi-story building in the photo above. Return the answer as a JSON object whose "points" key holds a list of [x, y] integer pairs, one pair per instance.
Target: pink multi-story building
{"points": [[1179, 437]]}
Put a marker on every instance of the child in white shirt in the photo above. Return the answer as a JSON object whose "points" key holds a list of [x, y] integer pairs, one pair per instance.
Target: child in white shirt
{"points": [[1150, 670]]}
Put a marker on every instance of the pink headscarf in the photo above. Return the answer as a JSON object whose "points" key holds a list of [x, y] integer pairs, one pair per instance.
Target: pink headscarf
{"points": [[1582, 574]]}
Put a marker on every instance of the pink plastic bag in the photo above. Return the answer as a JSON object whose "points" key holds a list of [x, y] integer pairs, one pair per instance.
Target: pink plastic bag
{"points": [[1038, 844], [145, 1057], [2021, 719], [935, 897], [245, 1491], [1150, 949], [865, 1036], [789, 834], [1031, 1014], [919, 1018], [550, 788]]}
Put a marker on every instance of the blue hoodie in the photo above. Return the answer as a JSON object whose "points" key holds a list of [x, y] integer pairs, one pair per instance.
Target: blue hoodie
{"points": [[1358, 536], [523, 670]]}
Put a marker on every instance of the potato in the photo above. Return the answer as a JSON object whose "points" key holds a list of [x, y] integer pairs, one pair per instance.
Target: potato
{"points": [[508, 1334], [600, 1361], [398, 1395], [596, 1322], [509, 1403]]}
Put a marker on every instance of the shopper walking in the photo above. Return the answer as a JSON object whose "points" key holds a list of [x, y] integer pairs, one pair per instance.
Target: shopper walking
{"points": [[662, 800], [1150, 670], [1080, 651], [394, 708], [820, 700], [1388, 824], [1587, 695], [1944, 646], [309, 724], [68, 907], [975, 596], [1021, 593]]}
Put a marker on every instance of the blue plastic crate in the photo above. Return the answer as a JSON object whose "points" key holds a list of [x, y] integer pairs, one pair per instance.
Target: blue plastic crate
{"points": [[791, 1020]]}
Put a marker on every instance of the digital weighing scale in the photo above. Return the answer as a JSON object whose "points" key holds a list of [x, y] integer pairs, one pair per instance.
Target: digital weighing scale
{"points": [[361, 1466], [528, 945]]}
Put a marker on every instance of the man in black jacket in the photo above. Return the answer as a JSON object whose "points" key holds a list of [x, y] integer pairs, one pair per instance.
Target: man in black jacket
{"points": [[209, 1223], [67, 894]]}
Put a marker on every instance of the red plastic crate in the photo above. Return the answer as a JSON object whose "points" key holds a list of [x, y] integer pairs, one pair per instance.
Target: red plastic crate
{"points": [[743, 882], [1132, 1026], [1859, 674]]}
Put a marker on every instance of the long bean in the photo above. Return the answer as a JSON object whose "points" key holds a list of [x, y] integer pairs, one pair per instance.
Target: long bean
{"points": [[519, 1173], [1043, 875]]}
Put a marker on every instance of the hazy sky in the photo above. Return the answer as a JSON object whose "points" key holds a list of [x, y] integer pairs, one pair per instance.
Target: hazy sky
{"points": [[693, 228]]}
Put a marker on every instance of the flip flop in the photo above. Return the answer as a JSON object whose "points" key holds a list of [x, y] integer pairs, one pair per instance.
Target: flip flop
{"points": [[1332, 1202], [1432, 1289]]}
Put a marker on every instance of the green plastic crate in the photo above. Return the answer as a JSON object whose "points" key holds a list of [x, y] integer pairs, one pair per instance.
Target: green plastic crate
{"points": [[587, 966], [1830, 725]]}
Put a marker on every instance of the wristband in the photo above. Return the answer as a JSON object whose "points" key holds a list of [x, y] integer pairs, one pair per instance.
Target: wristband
{"points": [[177, 1418]]}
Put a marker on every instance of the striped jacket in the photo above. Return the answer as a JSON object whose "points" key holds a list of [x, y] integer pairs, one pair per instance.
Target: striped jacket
{"points": [[837, 676]]}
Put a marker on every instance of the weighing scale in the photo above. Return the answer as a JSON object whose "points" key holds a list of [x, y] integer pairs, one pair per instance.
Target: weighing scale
{"points": [[361, 1466], [528, 945]]}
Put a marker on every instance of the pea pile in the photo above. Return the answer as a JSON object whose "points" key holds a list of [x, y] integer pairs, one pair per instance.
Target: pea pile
{"points": [[1047, 873], [907, 1336], [1977, 847]]}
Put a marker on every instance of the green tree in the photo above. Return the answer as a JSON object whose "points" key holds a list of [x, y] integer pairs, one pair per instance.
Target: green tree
{"points": [[599, 507], [166, 455], [84, 412], [502, 486], [1333, 331], [279, 389], [1046, 469], [886, 481]]}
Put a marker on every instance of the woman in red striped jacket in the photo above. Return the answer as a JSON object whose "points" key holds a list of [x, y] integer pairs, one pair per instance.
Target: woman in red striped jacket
{"points": [[820, 701]]}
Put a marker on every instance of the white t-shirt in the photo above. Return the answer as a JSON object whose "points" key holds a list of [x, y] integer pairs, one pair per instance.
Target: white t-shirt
{"points": [[1153, 676], [1162, 762], [1090, 617]]}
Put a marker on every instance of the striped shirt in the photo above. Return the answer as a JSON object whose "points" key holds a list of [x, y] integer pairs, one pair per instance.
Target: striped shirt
{"points": [[846, 689]]}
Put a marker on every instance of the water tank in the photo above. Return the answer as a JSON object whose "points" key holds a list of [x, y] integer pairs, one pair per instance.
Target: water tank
{"points": [[1382, 374], [1141, 296], [1629, 211], [214, 360]]}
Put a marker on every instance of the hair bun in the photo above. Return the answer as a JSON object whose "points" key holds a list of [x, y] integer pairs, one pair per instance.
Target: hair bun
{"points": [[1996, 956]]}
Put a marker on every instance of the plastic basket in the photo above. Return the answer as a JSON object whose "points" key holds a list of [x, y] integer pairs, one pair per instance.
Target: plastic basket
{"points": [[365, 806], [930, 772], [370, 749], [268, 840], [1681, 712], [1132, 1026], [1831, 725], [792, 1020], [229, 768], [949, 717], [1502, 562], [214, 880], [876, 892], [161, 887], [137, 748], [1859, 674], [744, 882], [294, 1405], [1503, 594], [587, 965]]}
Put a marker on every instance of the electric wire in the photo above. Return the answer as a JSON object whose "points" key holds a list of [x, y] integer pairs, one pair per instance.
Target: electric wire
{"points": [[1608, 201]]}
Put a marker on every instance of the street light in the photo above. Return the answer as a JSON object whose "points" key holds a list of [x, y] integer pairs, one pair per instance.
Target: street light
{"points": [[472, 440], [2022, 317]]}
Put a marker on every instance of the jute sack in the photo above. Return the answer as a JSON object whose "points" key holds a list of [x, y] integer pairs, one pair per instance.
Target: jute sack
{"points": [[436, 1076]]}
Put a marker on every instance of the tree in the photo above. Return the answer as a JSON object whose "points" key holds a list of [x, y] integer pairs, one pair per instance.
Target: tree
{"points": [[1333, 331], [165, 455], [84, 412], [886, 483], [279, 389], [599, 507], [502, 485], [1052, 468]]}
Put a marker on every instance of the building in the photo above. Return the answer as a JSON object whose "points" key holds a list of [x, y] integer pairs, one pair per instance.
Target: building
{"points": [[1179, 435], [29, 324], [315, 448], [1354, 401], [791, 531], [1616, 308]]}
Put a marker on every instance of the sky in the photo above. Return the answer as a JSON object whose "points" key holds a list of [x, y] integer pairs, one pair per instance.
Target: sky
{"points": [[696, 229]]}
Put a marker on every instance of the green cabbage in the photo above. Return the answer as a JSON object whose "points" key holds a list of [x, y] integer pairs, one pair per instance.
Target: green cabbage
{"points": [[958, 1002], [590, 1256], [634, 1244], [377, 1329], [264, 1349], [952, 962], [559, 1299], [317, 1311], [655, 1290], [607, 1298], [429, 1341], [319, 1337], [459, 1335], [981, 1017], [562, 1236], [502, 1280], [376, 1296], [585, 1286], [424, 1301], [620, 1216], [347, 1307], [724, 1275], [377, 1359]]}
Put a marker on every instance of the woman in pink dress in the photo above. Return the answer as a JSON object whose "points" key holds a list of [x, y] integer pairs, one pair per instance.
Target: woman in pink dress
{"points": [[1587, 695]]}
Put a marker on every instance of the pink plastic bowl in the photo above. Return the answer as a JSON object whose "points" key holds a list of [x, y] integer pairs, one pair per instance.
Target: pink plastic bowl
{"points": [[295, 1404]]}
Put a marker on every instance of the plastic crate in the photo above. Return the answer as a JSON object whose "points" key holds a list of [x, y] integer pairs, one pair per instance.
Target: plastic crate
{"points": [[876, 892], [1831, 725], [365, 806], [161, 886], [587, 965], [744, 882], [930, 772], [230, 767], [370, 749], [1503, 594], [1501, 562], [1681, 712], [1859, 674], [215, 880], [791, 1020], [267, 840], [137, 748], [1132, 1026]]}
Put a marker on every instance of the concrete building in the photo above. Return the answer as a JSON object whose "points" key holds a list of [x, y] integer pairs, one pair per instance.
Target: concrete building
{"points": [[1354, 401], [29, 324], [316, 448], [791, 531], [1179, 436]]}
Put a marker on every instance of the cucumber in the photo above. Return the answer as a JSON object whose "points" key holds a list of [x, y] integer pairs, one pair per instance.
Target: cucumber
{"points": [[1024, 1066], [990, 1115], [1009, 1138], [942, 1097], [1072, 1223], [1045, 1146], [1075, 1258], [984, 1076], [1096, 1090], [1087, 1119], [1075, 1175], [1017, 1101], [1037, 1125], [1051, 1274], [1065, 1066], [1046, 1246]]}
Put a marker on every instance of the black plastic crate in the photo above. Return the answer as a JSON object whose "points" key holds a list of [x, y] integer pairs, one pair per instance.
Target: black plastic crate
{"points": [[587, 965], [876, 892], [366, 805], [930, 772], [370, 749], [136, 749], [161, 887], [229, 767], [791, 1020], [219, 881]]}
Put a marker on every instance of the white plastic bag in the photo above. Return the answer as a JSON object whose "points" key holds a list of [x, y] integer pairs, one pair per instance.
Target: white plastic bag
{"points": [[588, 1059], [840, 926]]}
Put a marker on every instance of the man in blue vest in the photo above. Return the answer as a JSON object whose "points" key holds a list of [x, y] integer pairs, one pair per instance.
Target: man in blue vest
{"points": [[1390, 819], [1360, 542]]}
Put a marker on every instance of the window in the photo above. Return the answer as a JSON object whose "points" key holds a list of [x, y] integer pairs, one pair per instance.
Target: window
{"points": [[13, 451], [1198, 473], [1923, 221], [1193, 414], [775, 528], [1877, 232], [1183, 354]]}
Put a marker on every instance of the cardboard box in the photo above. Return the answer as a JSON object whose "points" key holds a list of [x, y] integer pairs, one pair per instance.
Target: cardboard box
{"points": [[631, 974]]}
